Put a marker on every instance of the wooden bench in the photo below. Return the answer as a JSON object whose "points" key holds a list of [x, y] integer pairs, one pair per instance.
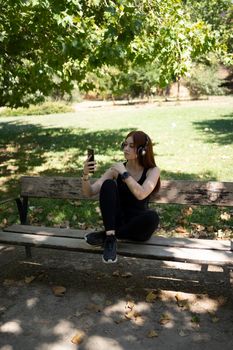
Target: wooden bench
{"points": [[201, 251]]}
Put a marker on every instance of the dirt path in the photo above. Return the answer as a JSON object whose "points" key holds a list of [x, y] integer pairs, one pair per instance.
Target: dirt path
{"points": [[212, 100], [134, 304]]}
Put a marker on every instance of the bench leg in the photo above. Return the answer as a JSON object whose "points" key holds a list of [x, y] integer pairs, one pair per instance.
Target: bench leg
{"points": [[28, 252]]}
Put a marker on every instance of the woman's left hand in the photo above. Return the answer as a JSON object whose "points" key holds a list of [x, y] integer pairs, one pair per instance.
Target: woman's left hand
{"points": [[119, 167]]}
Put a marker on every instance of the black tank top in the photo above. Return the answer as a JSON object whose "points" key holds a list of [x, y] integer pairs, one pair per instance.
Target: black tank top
{"points": [[127, 200]]}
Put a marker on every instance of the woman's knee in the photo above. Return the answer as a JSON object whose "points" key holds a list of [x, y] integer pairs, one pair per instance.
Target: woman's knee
{"points": [[151, 219], [109, 183], [108, 189]]}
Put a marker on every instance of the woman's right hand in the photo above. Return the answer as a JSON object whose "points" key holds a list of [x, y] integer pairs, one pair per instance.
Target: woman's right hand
{"points": [[89, 167]]}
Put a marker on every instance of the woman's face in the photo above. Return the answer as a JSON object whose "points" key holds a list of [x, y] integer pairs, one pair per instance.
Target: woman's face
{"points": [[130, 151]]}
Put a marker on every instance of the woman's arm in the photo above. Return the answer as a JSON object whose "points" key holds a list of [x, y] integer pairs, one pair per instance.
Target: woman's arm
{"points": [[89, 189], [144, 190]]}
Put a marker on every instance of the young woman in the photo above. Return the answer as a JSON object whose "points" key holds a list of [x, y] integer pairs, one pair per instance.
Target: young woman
{"points": [[124, 192]]}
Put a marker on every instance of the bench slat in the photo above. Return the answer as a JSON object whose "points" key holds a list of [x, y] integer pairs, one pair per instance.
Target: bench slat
{"points": [[160, 241], [172, 191], [202, 256]]}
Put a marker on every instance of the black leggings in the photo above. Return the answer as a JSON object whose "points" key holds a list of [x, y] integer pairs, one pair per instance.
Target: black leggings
{"points": [[139, 226]]}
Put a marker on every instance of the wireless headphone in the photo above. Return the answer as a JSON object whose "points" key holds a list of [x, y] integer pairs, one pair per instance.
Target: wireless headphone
{"points": [[141, 150]]}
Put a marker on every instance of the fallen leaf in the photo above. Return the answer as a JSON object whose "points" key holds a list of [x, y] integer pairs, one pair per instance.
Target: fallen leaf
{"points": [[210, 228], [5, 221], [225, 216], [139, 320], [151, 297], [97, 209], [181, 302], [152, 334], [49, 217], [29, 279], [181, 229], [129, 305], [187, 211], [78, 337], [58, 291], [215, 319], [77, 203], [182, 333], [165, 318], [182, 221], [200, 228], [116, 273], [82, 225], [127, 274], [130, 314]]}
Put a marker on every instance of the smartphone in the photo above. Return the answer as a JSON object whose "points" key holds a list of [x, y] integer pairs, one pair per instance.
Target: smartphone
{"points": [[90, 153]]}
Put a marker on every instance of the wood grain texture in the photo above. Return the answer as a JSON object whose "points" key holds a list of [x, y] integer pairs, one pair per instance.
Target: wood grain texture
{"points": [[190, 255], [172, 191], [154, 241]]}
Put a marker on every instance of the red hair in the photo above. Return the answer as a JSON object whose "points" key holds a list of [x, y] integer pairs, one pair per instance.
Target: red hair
{"points": [[147, 161]]}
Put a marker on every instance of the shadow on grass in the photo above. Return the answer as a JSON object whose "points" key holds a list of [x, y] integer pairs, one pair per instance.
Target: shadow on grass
{"points": [[217, 130], [30, 149], [27, 146], [205, 176]]}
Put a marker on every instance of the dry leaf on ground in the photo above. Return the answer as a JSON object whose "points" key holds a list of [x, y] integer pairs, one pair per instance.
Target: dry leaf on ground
{"points": [[116, 273], [29, 279], [225, 216], [182, 333], [152, 334], [181, 302], [78, 337], [151, 297], [187, 211], [127, 274], [58, 291], [165, 318], [181, 229], [129, 305], [198, 227]]}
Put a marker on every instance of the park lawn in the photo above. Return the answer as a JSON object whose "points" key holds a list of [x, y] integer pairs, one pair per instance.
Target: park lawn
{"points": [[192, 141]]}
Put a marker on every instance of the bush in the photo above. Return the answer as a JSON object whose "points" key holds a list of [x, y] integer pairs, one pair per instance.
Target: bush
{"points": [[40, 109], [204, 80]]}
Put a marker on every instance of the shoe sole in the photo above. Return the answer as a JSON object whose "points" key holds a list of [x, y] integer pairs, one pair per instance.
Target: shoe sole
{"points": [[110, 261]]}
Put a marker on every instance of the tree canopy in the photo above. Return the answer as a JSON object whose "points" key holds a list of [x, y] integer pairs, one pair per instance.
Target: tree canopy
{"points": [[47, 45]]}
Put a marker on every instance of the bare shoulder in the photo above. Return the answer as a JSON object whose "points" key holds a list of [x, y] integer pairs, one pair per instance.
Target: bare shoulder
{"points": [[153, 171]]}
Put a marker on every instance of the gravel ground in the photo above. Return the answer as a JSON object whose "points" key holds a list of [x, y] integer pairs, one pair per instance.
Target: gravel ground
{"points": [[65, 300]]}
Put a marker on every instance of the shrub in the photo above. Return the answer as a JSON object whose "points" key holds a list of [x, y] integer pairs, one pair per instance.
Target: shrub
{"points": [[204, 80], [40, 109]]}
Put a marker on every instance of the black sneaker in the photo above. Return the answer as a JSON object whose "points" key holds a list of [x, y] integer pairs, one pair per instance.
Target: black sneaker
{"points": [[110, 246], [95, 238]]}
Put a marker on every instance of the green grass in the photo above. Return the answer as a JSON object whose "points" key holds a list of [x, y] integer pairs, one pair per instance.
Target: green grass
{"points": [[192, 141]]}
